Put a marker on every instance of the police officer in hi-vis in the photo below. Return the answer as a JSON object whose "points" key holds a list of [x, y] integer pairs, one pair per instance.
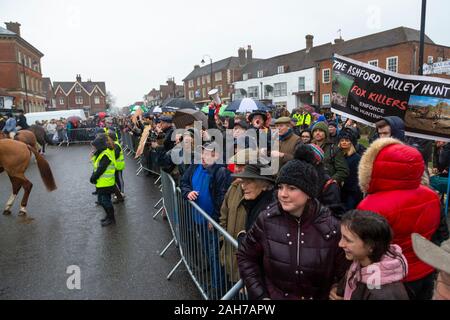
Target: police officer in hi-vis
{"points": [[104, 162]]}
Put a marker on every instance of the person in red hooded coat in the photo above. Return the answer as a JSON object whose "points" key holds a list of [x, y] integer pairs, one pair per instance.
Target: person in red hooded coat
{"points": [[391, 174]]}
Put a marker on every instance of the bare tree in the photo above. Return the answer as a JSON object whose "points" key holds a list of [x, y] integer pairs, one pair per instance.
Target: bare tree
{"points": [[110, 100]]}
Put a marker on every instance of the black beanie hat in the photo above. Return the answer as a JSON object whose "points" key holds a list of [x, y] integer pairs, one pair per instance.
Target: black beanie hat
{"points": [[301, 175], [350, 134]]}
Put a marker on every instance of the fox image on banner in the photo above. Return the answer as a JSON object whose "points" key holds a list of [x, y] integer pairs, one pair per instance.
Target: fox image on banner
{"points": [[366, 94]]}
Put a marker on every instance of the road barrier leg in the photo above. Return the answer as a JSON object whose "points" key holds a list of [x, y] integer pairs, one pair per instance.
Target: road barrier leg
{"points": [[139, 170], [156, 214], [167, 247], [174, 269], [157, 204]]}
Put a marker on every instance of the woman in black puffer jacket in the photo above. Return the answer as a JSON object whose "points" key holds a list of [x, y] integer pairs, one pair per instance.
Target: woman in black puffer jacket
{"points": [[292, 251]]}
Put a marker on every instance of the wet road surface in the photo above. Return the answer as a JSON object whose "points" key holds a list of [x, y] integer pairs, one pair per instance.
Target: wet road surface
{"points": [[116, 262]]}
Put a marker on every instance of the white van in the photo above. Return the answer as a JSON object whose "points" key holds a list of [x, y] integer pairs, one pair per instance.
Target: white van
{"points": [[49, 115]]}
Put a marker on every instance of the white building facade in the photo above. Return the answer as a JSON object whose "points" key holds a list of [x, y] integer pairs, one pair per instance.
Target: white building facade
{"points": [[290, 89]]}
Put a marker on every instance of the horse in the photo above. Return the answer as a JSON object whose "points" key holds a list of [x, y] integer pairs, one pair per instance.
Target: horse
{"points": [[14, 159], [24, 136], [41, 136]]}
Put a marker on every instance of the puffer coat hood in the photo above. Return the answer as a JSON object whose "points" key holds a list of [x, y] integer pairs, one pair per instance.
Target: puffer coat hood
{"points": [[101, 142], [391, 174], [388, 164]]}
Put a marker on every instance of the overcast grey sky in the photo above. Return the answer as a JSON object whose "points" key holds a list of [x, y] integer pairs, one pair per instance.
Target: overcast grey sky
{"points": [[136, 45]]}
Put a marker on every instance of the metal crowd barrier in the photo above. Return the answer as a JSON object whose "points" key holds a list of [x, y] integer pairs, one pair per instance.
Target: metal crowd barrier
{"points": [[71, 136], [206, 249], [147, 160], [128, 143]]}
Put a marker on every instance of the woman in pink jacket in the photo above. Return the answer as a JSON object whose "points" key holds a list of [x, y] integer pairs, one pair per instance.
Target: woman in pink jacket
{"points": [[378, 266]]}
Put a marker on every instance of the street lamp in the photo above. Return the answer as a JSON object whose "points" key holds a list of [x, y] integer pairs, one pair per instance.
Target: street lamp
{"points": [[210, 62], [422, 36]]}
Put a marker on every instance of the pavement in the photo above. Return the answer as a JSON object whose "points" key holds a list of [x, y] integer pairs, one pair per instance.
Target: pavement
{"points": [[63, 229]]}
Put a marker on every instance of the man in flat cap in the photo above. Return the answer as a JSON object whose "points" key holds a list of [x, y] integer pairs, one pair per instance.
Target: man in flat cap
{"points": [[288, 140]]}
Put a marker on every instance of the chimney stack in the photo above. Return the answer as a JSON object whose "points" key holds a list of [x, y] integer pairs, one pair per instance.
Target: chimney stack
{"points": [[241, 55], [196, 66], [79, 78], [14, 27], [339, 40], [249, 54], [309, 42]]}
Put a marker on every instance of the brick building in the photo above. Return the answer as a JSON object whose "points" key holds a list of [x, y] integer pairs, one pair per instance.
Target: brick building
{"points": [[396, 50], [223, 73], [20, 69], [47, 88], [304, 76], [170, 90], [88, 95]]}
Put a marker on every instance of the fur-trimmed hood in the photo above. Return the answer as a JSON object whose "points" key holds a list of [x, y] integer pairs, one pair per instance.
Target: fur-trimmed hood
{"points": [[389, 164]]}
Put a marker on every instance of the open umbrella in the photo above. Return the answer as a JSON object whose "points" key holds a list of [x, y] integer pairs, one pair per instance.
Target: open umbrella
{"points": [[74, 119], [185, 117], [223, 112], [137, 107], [101, 114], [205, 109], [155, 109], [174, 104], [246, 105]]}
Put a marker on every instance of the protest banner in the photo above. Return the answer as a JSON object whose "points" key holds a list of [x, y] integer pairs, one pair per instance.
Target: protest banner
{"points": [[366, 94]]}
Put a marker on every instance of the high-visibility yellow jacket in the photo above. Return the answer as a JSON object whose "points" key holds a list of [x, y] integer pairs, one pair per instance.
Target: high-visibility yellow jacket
{"points": [[120, 162], [107, 179]]}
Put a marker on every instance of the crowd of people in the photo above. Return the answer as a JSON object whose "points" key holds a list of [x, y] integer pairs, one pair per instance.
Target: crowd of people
{"points": [[334, 210], [335, 219], [59, 131]]}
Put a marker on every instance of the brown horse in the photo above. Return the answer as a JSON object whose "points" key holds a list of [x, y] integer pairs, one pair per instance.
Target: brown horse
{"points": [[14, 159], [41, 136], [24, 136]]}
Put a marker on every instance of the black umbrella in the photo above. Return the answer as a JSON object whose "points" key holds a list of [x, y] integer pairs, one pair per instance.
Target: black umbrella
{"points": [[174, 104], [185, 117]]}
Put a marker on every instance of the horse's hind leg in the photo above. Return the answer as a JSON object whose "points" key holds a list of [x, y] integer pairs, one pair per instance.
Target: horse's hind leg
{"points": [[16, 184], [27, 185]]}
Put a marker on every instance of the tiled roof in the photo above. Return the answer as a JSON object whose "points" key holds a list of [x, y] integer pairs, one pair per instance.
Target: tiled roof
{"points": [[302, 59], [4, 31], [227, 63], [380, 40], [88, 86]]}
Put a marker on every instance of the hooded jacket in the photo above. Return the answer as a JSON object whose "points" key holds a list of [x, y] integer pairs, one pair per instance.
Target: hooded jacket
{"points": [[397, 127], [390, 173], [100, 143]]}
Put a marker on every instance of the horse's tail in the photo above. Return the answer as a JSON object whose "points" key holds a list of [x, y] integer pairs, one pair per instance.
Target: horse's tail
{"points": [[44, 170]]}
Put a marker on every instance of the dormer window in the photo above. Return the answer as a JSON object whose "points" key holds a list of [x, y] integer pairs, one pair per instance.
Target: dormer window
{"points": [[280, 69]]}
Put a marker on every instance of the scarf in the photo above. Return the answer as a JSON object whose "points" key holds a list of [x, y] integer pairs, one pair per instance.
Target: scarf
{"points": [[391, 270], [286, 135]]}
